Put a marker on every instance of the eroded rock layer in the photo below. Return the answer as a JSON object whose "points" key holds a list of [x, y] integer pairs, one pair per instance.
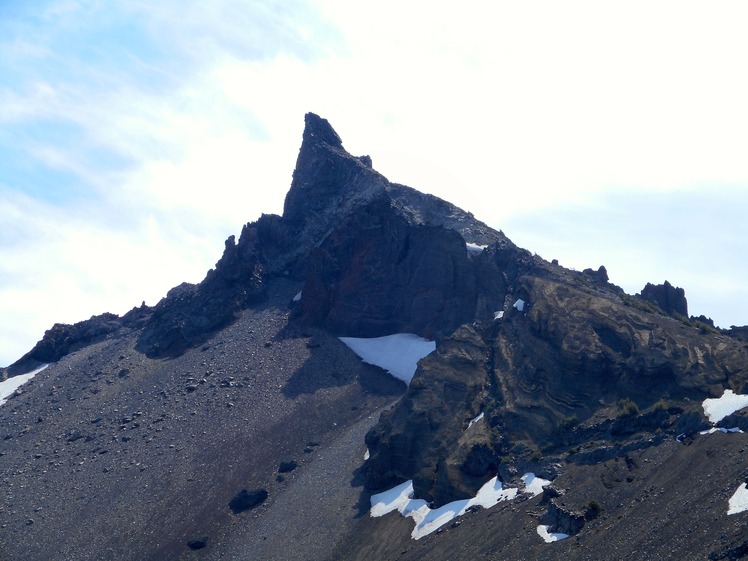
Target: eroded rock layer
{"points": [[536, 368]]}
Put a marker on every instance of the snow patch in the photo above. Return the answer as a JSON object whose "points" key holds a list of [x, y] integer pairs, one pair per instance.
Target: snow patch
{"points": [[533, 484], [473, 421], [398, 354], [720, 429], [392, 499], [429, 520], [7, 387], [475, 248], [297, 297], [520, 305], [739, 501], [718, 408], [367, 455], [498, 315], [549, 537]]}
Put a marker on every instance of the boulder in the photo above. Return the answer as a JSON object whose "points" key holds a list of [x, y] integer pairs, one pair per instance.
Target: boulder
{"points": [[247, 500], [199, 543]]}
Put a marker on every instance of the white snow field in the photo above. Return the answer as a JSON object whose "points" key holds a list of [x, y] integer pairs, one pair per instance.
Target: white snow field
{"points": [[429, 520], [10, 385], [398, 354], [718, 408], [739, 501]]}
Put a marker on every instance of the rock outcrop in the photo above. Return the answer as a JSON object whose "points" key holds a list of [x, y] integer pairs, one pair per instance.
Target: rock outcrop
{"points": [[377, 257], [563, 520], [64, 338], [543, 374], [537, 368], [670, 299], [445, 450]]}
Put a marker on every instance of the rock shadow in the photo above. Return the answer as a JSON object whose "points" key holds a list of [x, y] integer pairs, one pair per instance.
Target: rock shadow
{"points": [[363, 504], [331, 364]]}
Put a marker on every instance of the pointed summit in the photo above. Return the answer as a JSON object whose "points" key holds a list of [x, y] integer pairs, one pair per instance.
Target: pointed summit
{"points": [[327, 181], [317, 129]]}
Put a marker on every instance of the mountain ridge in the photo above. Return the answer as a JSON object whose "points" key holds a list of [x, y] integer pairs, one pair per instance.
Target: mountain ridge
{"points": [[202, 397]]}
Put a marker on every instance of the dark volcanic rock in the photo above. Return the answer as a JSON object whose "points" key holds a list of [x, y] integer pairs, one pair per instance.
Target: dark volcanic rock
{"points": [[740, 333], [328, 183], [199, 543], [377, 274], [63, 338], [601, 275], [435, 445], [377, 257], [537, 368], [189, 312], [667, 297], [287, 466], [690, 423], [562, 519], [571, 352], [247, 500], [730, 553], [382, 257]]}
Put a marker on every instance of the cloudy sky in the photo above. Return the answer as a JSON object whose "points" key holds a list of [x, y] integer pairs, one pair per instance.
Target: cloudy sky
{"points": [[136, 136]]}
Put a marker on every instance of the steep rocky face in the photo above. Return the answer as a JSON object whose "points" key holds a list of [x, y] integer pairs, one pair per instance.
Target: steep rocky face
{"points": [[574, 351], [189, 313], [670, 299], [328, 183], [446, 451], [377, 274], [574, 364]]}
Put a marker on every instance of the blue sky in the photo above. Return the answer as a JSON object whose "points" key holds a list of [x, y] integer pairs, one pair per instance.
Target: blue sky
{"points": [[136, 136]]}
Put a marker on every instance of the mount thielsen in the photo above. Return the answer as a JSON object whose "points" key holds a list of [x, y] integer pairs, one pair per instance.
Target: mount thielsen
{"points": [[550, 416]]}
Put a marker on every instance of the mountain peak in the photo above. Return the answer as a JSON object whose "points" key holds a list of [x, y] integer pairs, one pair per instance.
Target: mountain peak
{"points": [[328, 182], [317, 129], [536, 369]]}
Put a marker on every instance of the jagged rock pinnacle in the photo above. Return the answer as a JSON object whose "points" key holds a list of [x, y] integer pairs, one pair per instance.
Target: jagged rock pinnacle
{"points": [[317, 129], [328, 181]]}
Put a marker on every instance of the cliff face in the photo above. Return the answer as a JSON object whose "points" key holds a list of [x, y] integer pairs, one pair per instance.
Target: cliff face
{"points": [[552, 375], [536, 368]]}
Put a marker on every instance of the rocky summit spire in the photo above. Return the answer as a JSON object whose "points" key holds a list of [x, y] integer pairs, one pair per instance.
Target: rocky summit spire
{"points": [[317, 129], [328, 181]]}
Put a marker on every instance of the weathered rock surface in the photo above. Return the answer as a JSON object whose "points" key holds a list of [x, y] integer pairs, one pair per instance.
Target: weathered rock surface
{"points": [[549, 376], [670, 299], [537, 368], [433, 443], [63, 338], [563, 520]]}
